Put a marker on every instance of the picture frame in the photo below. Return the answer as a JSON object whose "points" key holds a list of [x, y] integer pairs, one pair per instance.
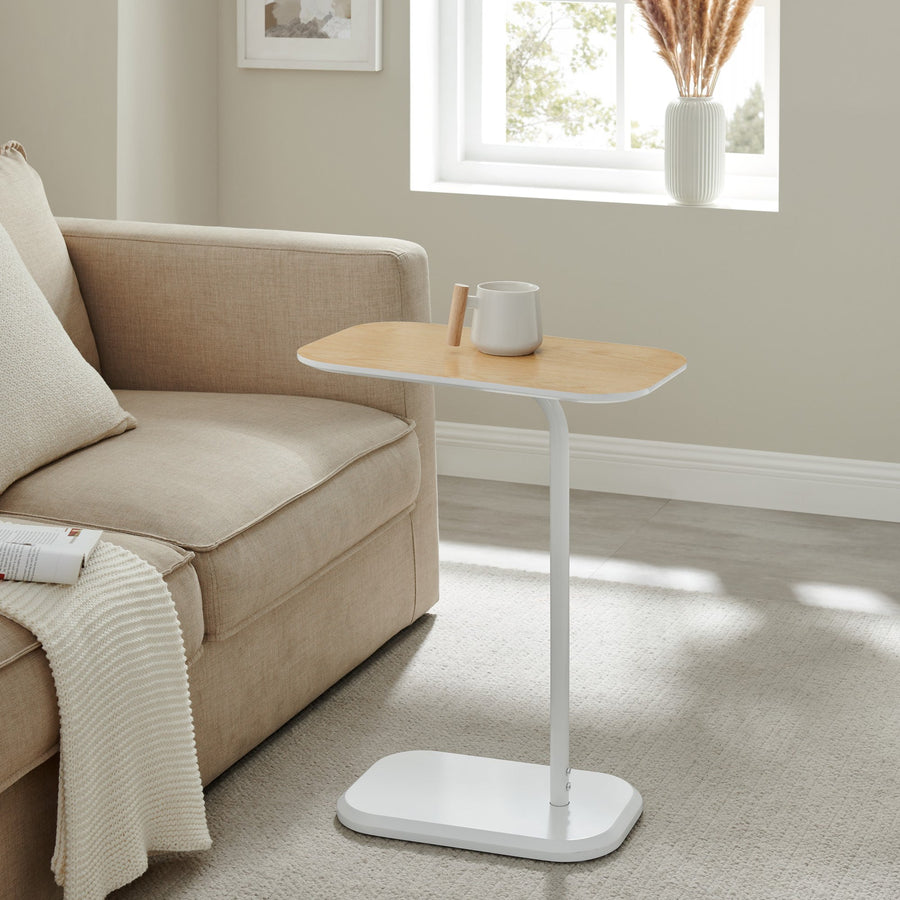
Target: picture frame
{"points": [[309, 34]]}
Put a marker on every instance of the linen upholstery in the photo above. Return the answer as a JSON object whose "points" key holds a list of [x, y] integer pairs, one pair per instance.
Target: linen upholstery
{"points": [[264, 488], [28, 710], [225, 309], [233, 307], [25, 214], [315, 637], [51, 401], [28, 833]]}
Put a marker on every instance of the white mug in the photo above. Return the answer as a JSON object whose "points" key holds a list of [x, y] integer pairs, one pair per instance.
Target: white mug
{"points": [[507, 318]]}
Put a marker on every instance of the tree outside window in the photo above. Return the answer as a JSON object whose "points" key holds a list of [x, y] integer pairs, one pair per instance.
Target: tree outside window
{"points": [[555, 55]]}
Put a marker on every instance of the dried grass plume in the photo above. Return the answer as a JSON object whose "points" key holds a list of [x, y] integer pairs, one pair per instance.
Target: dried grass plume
{"points": [[695, 38]]}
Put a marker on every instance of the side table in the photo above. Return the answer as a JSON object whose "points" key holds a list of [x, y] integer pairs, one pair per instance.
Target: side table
{"points": [[502, 806]]}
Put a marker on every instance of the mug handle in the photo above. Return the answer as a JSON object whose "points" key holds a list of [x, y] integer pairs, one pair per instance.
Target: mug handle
{"points": [[458, 303]]}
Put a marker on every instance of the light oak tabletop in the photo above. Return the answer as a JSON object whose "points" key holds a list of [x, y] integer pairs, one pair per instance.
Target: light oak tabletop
{"points": [[561, 368]]}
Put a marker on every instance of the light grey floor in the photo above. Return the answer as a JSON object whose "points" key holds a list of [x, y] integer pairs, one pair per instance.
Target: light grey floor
{"points": [[823, 561], [764, 745]]}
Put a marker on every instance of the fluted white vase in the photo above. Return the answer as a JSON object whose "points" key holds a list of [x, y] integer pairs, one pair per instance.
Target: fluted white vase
{"points": [[695, 150]]}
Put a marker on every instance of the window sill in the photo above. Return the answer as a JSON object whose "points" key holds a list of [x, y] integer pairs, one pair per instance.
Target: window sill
{"points": [[590, 196]]}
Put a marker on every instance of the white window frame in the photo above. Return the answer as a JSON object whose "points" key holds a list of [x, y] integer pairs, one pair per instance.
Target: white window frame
{"points": [[450, 154]]}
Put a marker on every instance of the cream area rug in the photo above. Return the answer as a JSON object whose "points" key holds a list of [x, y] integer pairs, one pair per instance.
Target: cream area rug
{"points": [[764, 738]]}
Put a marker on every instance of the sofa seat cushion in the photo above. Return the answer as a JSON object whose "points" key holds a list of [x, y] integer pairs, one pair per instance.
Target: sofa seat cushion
{"points": [[265, 489], [28, 708]]}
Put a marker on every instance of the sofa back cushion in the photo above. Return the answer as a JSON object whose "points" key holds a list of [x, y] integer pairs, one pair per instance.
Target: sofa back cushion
{"points": [[51, 401], [26, 216]]}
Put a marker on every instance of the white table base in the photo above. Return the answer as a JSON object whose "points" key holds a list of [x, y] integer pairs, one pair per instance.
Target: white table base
{"points": [[500, 806], [492, 805]]}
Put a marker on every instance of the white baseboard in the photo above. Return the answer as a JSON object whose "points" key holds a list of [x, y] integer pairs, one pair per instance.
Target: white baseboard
{"points": [[788, 481]]}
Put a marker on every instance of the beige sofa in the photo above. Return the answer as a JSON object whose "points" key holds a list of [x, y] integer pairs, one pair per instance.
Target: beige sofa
{"points": [[292, 513]]}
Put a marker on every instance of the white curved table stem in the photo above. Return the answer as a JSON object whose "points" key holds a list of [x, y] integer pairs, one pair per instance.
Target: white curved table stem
{"points": [[559, 601]]}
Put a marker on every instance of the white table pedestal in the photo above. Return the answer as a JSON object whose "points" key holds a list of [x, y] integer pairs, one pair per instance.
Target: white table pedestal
{"points": [[501, 806], [492, 805]]}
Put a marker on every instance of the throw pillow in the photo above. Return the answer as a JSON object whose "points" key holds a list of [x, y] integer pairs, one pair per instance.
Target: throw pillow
{"points": [[51, 400], [25, 214]]}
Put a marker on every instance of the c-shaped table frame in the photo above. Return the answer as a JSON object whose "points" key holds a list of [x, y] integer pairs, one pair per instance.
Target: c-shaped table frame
{"points": [[477, 803], [559, 601]]}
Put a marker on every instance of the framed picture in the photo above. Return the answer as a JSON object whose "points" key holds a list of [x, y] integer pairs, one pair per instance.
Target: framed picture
{"points": [[310, 34]]}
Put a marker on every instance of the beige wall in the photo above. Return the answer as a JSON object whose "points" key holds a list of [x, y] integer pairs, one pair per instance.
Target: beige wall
{"points": [[167, 111], [116, 104], [789, 321], [58, 71]]}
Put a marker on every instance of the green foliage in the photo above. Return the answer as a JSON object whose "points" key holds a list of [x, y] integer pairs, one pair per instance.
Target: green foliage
{"points": [[542, 104], [645, 140], [745, 131], [539, 103]]}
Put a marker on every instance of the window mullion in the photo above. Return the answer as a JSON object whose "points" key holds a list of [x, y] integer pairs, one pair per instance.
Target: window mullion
{"points": [[472, 68], [623, 141]]}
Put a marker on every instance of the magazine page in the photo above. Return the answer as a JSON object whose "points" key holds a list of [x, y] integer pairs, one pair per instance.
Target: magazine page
{"points": [[48, 553]]}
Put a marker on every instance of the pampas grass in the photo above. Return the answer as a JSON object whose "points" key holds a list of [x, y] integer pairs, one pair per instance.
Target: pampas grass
{"points": [[695, 38]]}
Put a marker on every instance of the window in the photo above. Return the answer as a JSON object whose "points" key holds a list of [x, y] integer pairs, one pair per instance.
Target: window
{"points": [[568, 99]]}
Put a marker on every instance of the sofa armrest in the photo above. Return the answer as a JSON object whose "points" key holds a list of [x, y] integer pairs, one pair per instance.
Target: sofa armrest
{"points": [[202, 308]]}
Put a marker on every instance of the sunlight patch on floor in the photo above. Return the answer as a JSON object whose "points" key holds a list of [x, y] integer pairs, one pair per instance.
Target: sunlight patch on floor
{"points": [[847, 597], [679, 578], [514, 558]]}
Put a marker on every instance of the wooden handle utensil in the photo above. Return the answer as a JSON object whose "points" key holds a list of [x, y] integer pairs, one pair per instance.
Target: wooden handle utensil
{"points": [[457, 314]]}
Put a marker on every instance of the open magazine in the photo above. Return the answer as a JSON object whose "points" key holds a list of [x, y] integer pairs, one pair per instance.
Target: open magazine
{"points": [[49, 553]]}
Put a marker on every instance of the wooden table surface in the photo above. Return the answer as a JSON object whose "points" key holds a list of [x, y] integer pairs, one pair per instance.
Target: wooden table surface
{"points": [[561, 368]]}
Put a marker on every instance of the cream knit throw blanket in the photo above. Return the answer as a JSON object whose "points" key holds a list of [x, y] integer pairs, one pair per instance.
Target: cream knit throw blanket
{"points": [[128, 782]]}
